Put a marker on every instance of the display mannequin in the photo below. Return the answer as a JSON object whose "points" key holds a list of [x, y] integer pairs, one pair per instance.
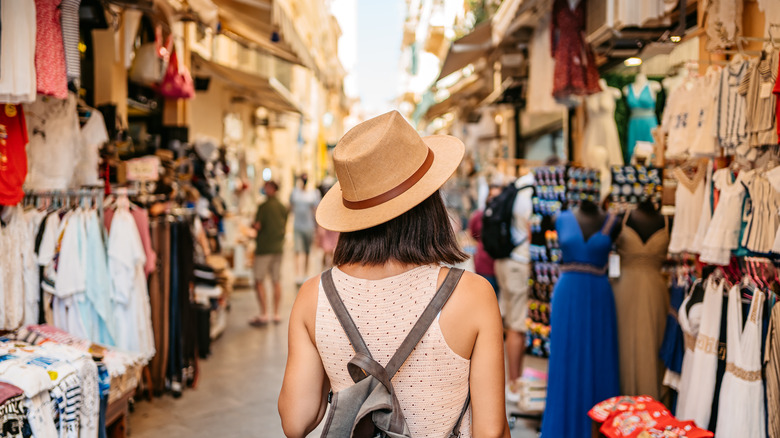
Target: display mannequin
{"points": [[611, 90], [647, 220], [591, 219], [640, 97], [672, 82], [640, 81], [641, 299], [584, 363], [601, 129]]}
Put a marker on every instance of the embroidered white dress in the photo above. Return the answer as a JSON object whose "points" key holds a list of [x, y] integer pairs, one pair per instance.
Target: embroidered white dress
{"points": [[706, 212], [741, 408], [723, 232], [689, 197], [690, 320], [696, 403], [541, 70]]}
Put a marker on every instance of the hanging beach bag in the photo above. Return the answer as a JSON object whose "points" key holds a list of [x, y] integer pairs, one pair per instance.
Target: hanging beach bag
{"points": [[177, 83]]}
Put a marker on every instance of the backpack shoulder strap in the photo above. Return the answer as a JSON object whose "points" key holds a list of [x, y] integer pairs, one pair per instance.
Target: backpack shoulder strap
{"points": [[345, 319], [456, 429], [425, 320]]}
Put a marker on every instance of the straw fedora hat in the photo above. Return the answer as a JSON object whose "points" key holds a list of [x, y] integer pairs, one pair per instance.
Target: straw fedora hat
{"points": [[384, 169]]}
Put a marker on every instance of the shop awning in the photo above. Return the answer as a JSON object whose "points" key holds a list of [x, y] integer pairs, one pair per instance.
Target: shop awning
{"points": [[267, 24], [465, 94], [268, 93], [468, 49]]}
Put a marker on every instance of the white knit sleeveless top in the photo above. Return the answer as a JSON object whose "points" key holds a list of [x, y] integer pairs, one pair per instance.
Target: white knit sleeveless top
{"points": [[433, 382]]}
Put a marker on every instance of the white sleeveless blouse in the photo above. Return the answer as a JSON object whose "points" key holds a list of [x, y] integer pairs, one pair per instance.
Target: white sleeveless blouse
{"points": [[433, 382]]}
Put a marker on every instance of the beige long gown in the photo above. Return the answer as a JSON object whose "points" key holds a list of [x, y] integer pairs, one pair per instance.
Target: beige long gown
{"points": [[642, 302]]}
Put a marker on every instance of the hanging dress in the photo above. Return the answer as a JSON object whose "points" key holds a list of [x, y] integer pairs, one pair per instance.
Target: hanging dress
{"points": [[17, 51], [772, 361], [773, 176], [575, 66], [601, 129], [689, 318], [725, 227], [642, 302], [672, 348], [762, 218], [689, 197], [706, 212], [583, 367], [541, 68], [50, 70], [699, 378], [742, 391], [643, 118]]}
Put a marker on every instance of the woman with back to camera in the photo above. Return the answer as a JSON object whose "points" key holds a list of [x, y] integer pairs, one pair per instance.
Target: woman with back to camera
{"points": [[395, 239]]}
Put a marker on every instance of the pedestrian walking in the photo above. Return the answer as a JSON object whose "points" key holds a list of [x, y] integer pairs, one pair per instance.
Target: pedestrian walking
{"points": [[390, 263], [303, 204], [270, 223]]}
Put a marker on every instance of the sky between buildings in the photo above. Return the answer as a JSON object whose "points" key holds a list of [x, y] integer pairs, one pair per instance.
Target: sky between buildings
{"points": [[370, 50]]}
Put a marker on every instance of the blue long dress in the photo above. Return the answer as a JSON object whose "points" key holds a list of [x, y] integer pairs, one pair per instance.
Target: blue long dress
{"points": [[643, 118], [583, 367]]}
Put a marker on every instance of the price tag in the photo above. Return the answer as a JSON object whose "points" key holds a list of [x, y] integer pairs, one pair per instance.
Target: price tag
{"points": [[766, 90], [614, 265]]}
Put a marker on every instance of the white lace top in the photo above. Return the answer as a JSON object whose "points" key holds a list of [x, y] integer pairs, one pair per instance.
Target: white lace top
{"points": [[433, 382]]}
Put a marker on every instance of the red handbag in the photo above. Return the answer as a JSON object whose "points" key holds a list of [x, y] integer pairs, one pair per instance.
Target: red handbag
{"points": [[177, 82]]}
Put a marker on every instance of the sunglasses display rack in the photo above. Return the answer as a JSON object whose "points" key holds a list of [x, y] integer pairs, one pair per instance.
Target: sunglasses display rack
{"points": [[634, 184], [556, 188], [548, 200], [582, 184]]}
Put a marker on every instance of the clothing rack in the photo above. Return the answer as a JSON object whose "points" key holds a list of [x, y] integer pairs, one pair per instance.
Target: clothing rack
{"points": [[96, 192]]}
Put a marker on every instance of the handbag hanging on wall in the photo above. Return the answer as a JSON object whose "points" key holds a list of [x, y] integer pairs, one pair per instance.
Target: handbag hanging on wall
{"points": [[177, 82]]}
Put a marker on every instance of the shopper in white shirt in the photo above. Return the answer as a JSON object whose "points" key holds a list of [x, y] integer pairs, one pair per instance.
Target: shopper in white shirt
{"points": [[303, 204], [512, 274]]}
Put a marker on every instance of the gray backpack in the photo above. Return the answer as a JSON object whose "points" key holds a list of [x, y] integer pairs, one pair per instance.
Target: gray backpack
{"points": [[370, 408]]}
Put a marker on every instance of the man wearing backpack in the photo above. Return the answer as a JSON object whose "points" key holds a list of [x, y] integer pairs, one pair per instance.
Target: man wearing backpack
{"points": [[512, 266]]}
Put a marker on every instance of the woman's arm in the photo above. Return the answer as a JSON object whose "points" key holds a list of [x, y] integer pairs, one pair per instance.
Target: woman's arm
{"points": [[471, 324], [486, 380], [303, 399]]}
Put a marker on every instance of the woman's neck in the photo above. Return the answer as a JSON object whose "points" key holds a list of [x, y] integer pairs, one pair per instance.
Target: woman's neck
{"points": [[376, 272]]}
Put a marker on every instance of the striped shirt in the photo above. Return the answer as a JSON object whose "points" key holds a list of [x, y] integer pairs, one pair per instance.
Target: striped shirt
{"points": [[69, 10], [761, 103], [730, 125]]}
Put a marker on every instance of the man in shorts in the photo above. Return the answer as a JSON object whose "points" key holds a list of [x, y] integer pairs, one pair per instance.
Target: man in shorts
{"points": [[512, 275], [270, 223]]}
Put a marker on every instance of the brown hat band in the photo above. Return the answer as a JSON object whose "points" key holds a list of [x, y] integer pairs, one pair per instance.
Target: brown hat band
{"points": [[394, 192]]}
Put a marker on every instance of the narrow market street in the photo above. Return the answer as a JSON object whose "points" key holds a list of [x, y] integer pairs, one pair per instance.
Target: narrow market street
{"points": [[239, 383]]}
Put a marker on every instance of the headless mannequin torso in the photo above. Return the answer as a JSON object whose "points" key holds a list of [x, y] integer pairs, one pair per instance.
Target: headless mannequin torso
{"points": [[591, 218], [646, 220], [639, 83]]}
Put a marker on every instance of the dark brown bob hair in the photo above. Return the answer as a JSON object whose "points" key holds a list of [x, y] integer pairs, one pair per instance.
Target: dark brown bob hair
{"points": [[421, 236]]}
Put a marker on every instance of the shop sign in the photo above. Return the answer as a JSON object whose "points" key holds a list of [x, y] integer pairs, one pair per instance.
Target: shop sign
{"points": [[143, 169]]}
